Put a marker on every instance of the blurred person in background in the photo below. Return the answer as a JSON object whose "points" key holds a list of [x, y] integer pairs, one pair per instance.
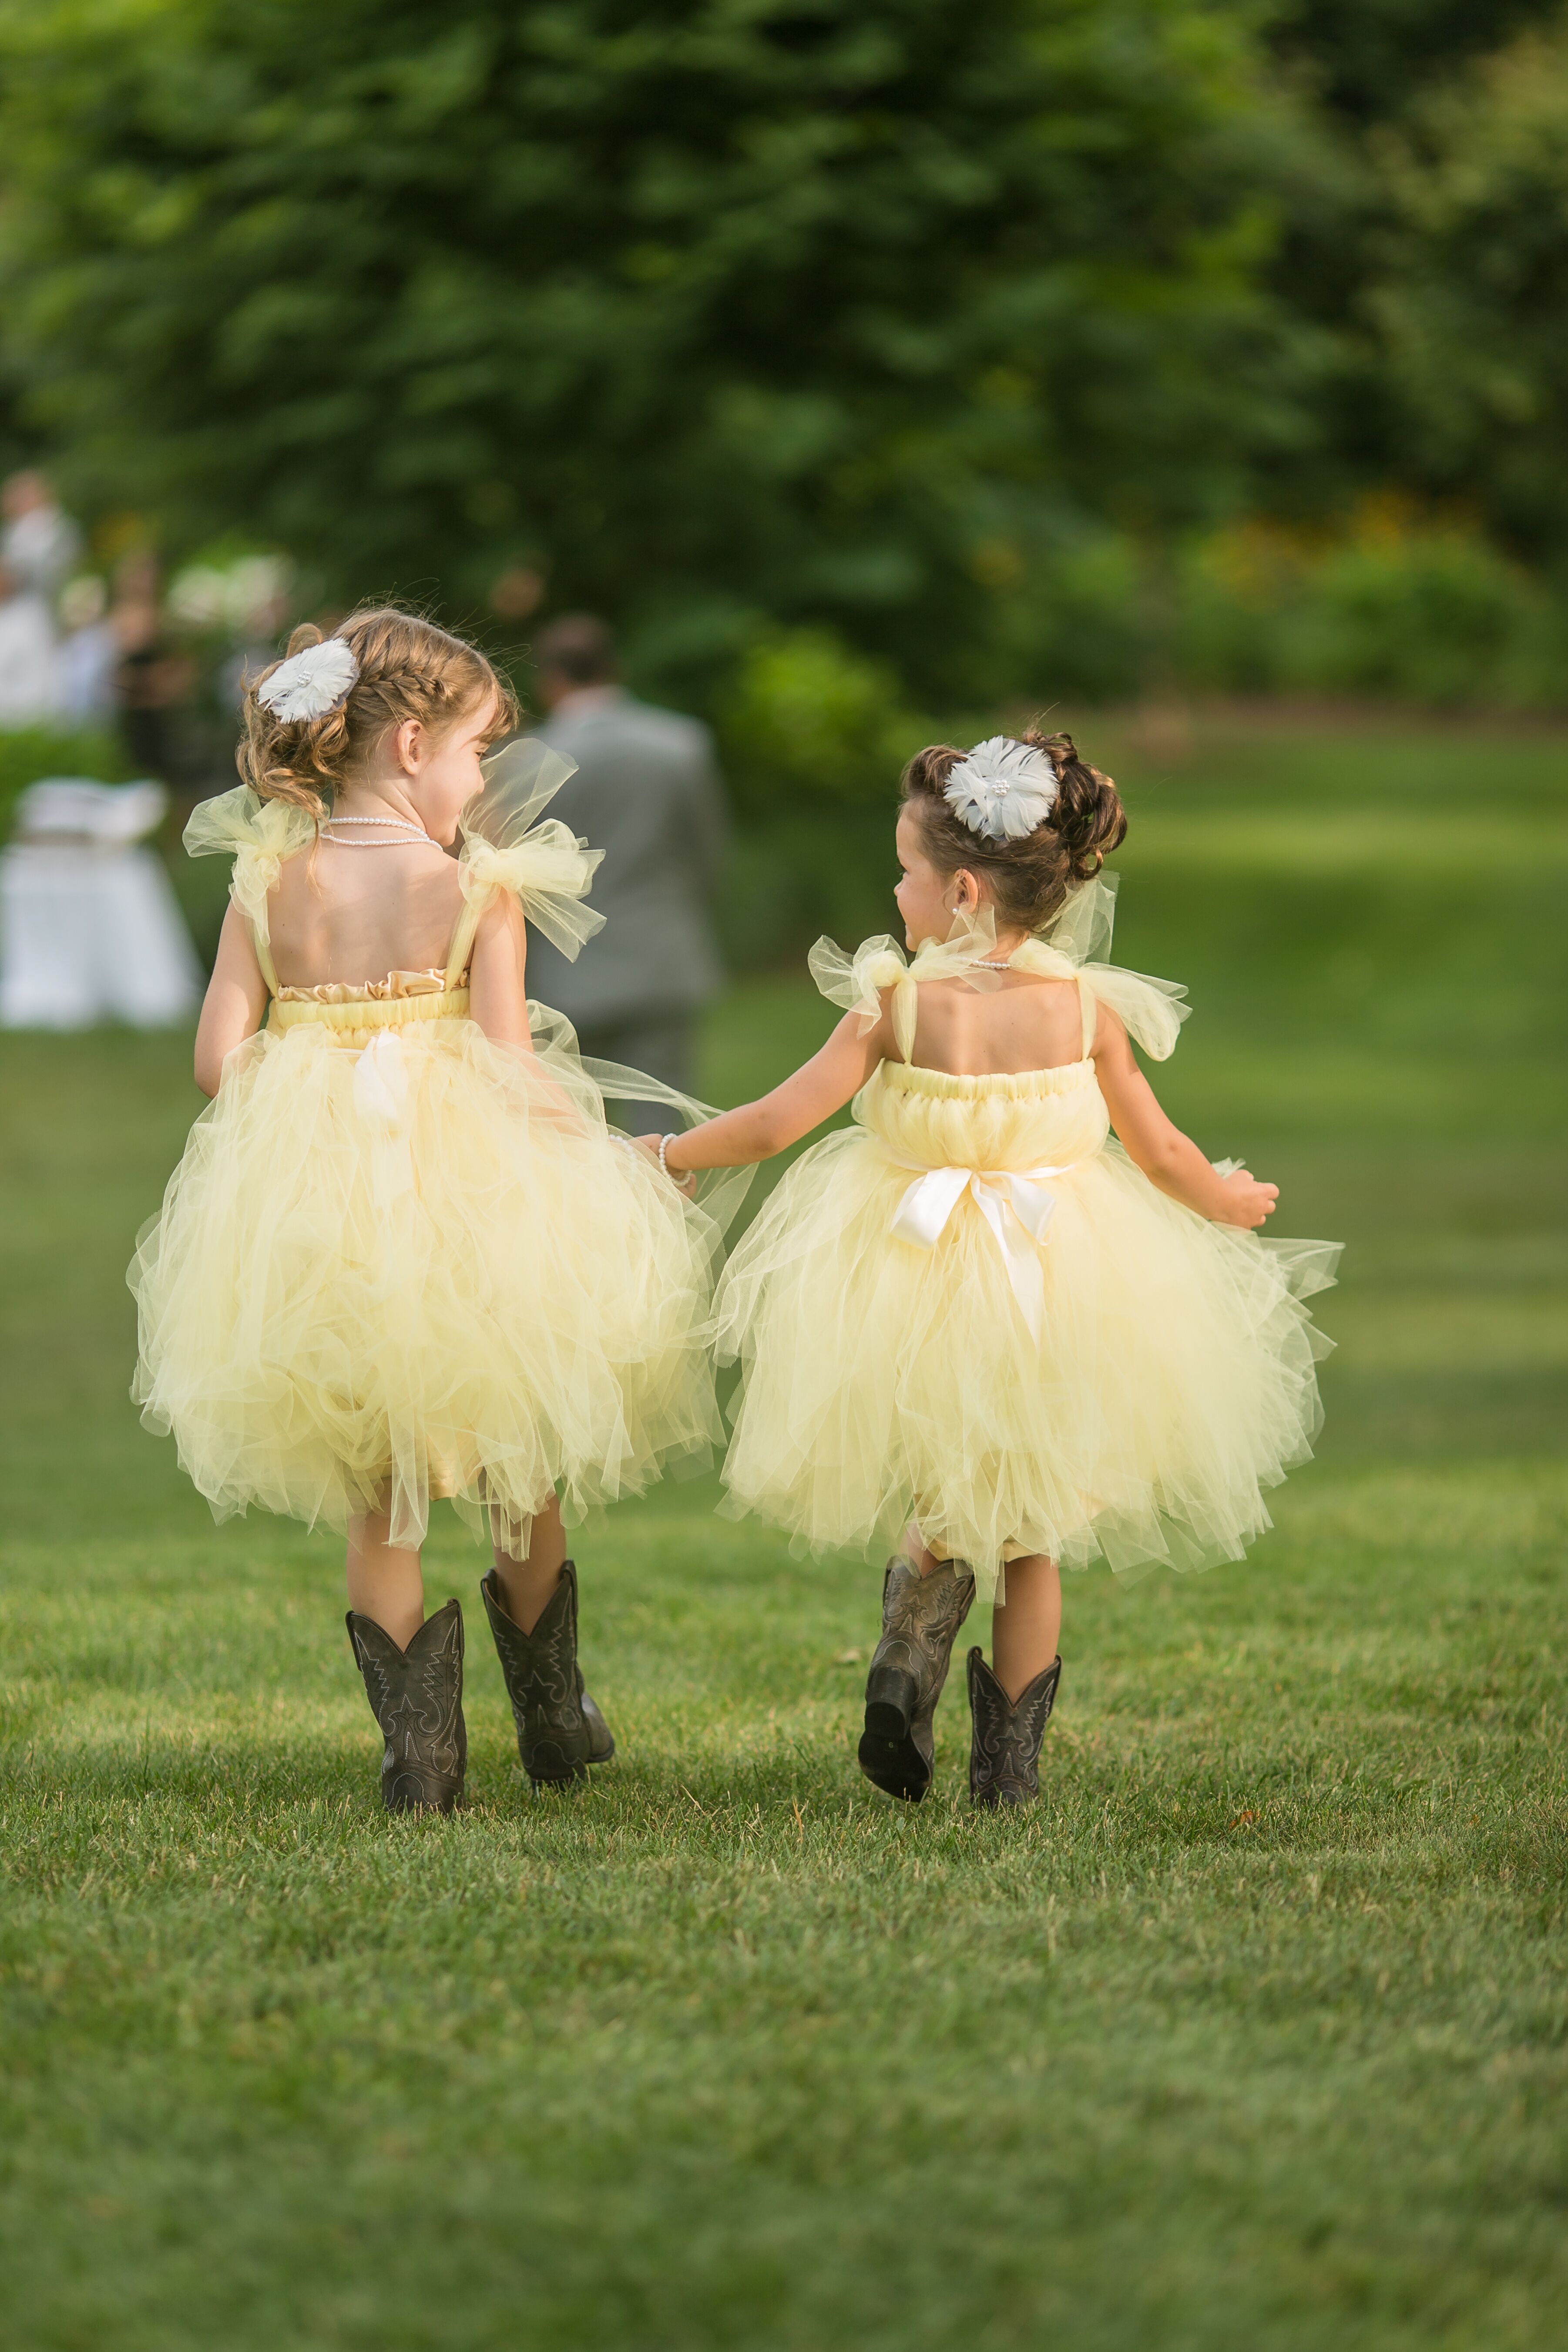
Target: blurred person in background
{"points": [[518, 592], [39, 544], [152, 679], [89, 654], [648, 789], [262, 585], [29, 679]]}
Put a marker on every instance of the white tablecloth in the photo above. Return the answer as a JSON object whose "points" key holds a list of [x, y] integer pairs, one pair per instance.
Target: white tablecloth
{"points": [[90, 935]]}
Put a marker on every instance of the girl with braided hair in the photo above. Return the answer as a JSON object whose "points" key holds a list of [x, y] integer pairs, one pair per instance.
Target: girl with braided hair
{"points": [[404, 1254]]}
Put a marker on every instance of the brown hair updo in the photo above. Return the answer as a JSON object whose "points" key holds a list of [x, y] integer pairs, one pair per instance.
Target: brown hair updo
{"points": [[1028, 877], [408, 669]]}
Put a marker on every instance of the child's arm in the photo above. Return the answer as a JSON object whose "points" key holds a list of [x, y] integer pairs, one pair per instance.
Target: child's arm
{"points": [[498, 995], [1167, 1157], [737, 1138], [498, 992], [234, 1005]]}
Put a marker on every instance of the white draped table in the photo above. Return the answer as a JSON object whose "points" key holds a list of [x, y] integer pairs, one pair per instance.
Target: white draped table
{"points": [[90, 927]]}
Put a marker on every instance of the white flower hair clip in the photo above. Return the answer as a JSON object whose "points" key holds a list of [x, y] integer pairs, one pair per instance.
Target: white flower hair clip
{"points": [[310, 683], [1002, 789]]}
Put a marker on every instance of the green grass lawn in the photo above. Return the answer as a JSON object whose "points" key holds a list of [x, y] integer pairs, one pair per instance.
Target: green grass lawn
{"points": [[1253, 2034]]}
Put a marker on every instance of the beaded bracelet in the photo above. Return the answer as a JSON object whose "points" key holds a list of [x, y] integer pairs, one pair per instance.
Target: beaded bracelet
{"points": [[664, 1143]]}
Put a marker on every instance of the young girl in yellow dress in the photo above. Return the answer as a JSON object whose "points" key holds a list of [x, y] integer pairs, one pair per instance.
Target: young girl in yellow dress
{"points": [[973, 1311], [403, 1255]]}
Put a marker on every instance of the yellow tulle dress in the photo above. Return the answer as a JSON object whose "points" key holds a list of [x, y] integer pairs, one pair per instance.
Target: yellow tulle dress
{"points": [[972, 1309], [398, 1261]]}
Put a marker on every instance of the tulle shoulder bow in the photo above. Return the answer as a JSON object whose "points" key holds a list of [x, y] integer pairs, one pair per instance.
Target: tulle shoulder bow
{"points": [[857, 982], [259, 835], [544, 866], [1075, 946]]}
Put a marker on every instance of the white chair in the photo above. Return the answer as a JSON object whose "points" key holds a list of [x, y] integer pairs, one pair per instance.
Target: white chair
{"points": [[90, 927]]}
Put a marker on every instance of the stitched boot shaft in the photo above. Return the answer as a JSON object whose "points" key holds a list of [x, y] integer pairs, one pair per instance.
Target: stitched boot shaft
{"points": [[921, 1618], [560, 1731], [1005, 1753], [417, 1696]]}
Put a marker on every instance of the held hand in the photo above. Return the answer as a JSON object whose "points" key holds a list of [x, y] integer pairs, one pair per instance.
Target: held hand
{"points": [[686, 1183], [1247, 1202]]}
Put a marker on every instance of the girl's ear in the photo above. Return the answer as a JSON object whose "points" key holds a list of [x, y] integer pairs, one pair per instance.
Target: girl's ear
{"points": [[407, 745], [965, 892]]}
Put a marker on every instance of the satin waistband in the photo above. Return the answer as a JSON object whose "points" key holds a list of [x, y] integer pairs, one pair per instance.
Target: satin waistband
{"points": [[360, 1016]]}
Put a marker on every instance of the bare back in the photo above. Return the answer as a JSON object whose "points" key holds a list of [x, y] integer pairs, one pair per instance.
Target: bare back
{"points": [[356, 915], [1026, 1024]]}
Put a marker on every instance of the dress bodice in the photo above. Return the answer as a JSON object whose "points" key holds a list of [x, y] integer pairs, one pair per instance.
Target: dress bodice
{"points": [[505, 848], [1003, 1120], [998, 1119], [350, 1014]]}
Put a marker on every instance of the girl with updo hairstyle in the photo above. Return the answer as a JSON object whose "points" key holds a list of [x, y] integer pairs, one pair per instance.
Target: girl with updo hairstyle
{"points": [[1031, 875], [405, 1255], [1011, 1319]]}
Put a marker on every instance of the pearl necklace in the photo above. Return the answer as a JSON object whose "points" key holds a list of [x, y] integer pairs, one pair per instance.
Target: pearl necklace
{"points": [[396, 826]]}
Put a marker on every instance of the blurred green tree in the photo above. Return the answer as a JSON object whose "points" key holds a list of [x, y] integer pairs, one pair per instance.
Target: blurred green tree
{"points": [[1472, 297], [726, 312], [1367, 74], [1368, 59]]}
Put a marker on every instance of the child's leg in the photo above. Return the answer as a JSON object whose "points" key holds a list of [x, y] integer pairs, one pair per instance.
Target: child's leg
{"points": [[413, 1670], [527, 1584], [925, 1600], [1005, 1753], [384, 1578], [1026, 1633], [919, 1554], [531, 1605], [1010, 1703]]}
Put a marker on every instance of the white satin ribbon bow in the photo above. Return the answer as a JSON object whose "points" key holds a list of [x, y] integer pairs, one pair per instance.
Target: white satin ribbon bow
{"points": [[381, 1084], [381, 1098], [1013, 1202]]}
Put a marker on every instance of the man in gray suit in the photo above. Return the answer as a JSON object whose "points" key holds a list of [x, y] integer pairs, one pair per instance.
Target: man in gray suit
{"points": [[647, 793]]}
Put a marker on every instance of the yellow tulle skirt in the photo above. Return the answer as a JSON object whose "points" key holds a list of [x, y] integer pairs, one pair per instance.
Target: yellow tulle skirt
{"points": [[1171, 1382], [424, 1269]]}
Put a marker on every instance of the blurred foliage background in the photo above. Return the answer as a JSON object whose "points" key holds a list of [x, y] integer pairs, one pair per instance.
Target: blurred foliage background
{"points": [[874, 365]]}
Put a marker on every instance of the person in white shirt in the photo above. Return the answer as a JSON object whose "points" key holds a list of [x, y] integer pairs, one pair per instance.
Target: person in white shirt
{"points": [[29, 678], [38, 540], [89, 654]]}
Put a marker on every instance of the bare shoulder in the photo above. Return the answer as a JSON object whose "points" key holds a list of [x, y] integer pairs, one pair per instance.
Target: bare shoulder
{"points": [[1109, 1029], [295, 878], [1112, 1048], [500, 917], [440, 882]]}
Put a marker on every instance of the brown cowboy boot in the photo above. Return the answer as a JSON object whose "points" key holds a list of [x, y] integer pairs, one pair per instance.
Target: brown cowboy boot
{"points": [[1005, 1754], [416, 1697], [560, 1731], [921, 1618]]}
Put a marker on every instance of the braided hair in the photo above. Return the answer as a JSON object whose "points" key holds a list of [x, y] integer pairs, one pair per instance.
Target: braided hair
{"points": [[408, 669]]}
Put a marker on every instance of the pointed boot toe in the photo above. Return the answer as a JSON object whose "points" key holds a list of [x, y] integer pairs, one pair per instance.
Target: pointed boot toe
{"points": [[601, 1740]]}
